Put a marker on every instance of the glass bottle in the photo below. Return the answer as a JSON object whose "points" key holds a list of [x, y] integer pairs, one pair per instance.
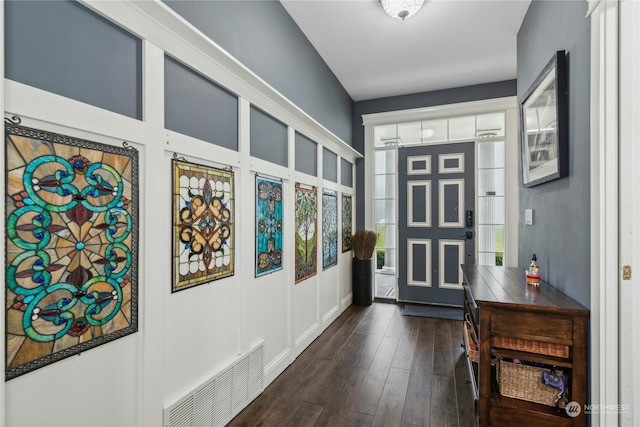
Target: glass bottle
{"points": [[533, 273]]}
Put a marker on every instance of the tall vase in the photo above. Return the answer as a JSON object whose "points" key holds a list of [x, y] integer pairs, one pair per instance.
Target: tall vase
{"points": [[362, 281]]}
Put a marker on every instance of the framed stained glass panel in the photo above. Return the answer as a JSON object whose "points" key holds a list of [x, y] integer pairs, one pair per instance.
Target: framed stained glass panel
{"points": [[329, 229], [268, 225], [203, 224], [347, 222], [306, 228], [71, 246]]}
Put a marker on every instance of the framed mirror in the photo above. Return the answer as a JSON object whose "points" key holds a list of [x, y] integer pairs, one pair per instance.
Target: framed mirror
{"points": [[543, 125]]}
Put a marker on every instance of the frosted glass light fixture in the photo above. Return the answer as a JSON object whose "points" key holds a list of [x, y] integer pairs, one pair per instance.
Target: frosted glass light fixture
{"points": [[401, 9]]}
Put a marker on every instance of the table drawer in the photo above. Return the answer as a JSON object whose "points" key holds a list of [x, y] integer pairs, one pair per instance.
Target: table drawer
{"points": [[528, 324]]}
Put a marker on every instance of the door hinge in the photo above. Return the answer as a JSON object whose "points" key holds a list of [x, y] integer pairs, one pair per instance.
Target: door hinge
{"points": [[626, 272]]}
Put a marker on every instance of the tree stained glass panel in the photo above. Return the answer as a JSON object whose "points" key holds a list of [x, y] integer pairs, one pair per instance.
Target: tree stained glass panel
{"points": [[71, 246], [203, 224], [268, 225], [306, 240], [329, 229], [347, 222]]}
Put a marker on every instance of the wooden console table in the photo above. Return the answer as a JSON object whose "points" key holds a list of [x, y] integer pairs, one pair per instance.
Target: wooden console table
{"points": [[503, 308]]}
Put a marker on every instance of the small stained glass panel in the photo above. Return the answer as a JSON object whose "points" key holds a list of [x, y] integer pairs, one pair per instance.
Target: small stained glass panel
{"points": [[306, 214], [269, 222], [347, 222], [329, 229], [203, 216]]}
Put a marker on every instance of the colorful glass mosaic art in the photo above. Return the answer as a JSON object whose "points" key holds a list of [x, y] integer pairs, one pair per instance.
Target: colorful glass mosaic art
{"points": [[347, 222], [203, 224], [329, 229], [71, 246], [306, 227], [268, 225]]}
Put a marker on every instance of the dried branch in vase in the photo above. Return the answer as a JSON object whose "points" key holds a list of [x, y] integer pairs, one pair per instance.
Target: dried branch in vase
{"points": [[363, 242]]}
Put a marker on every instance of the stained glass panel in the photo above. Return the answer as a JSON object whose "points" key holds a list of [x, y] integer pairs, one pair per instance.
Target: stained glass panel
{"points": [[72, 246], [329, 229], [347, 222], [268, 225], [306, 226], [203, 224]]}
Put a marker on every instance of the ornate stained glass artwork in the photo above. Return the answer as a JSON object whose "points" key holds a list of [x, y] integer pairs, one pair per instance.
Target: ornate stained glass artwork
{"points": [[268, 225], [347, 221], [71, 246], [203, 216], [306, 241], [329, 229]]}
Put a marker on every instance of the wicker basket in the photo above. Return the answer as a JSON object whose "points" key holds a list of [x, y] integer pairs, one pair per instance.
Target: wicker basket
{"points": [[468, 339], [525, 383], [538, 347]]}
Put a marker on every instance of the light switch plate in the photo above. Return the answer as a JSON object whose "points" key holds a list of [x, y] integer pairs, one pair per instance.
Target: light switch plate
{"points": [[528, 216]]}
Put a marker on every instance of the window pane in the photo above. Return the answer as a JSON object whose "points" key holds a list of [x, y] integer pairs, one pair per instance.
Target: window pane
{"points": [[491, 154], [383, 135], [386, 236], [490, 238], [386, 258], [490, 125], [385, 186], [487, 258], [409, 133], [491, 210], [434, 130], [385, 161], [385, 211], [491, 182], [462, 128]]}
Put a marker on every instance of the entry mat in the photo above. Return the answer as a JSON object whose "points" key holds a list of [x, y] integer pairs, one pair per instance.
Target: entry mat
{"points": [[453, 313]]}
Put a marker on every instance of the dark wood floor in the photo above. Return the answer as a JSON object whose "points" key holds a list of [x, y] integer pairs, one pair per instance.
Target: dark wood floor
{"points": [[372, 367]]}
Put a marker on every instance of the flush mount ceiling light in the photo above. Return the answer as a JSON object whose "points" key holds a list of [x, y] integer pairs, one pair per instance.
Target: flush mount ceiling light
{"points": [[401, 9]]}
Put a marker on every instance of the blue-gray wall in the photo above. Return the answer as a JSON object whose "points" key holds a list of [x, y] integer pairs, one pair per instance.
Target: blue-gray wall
{"points": [[268, 138], [198, 107], [43, 49], [559, 235], [418, 100], [263, 37]]}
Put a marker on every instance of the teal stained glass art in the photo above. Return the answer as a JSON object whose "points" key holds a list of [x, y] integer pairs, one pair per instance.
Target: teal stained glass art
{"points": [[268, 225], [71, 246]]}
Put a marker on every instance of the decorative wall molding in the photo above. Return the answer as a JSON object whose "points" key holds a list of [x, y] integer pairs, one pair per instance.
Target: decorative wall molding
{"points": [[156, 22]]}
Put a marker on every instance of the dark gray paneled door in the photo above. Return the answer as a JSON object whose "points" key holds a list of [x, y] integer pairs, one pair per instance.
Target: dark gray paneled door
{"points": [[435, 221]]}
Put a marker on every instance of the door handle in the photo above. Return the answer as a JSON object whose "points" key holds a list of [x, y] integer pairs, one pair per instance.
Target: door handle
{"points": [[468, 234]]}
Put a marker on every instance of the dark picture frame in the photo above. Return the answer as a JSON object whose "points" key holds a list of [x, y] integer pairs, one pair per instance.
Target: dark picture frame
{"points": [[543, 125]]}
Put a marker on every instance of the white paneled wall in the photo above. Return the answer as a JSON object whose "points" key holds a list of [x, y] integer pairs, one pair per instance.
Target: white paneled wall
{"points": [[188, 336]]}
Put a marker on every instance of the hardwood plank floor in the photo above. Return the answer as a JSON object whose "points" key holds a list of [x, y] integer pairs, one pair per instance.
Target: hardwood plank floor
{"points": [[372, 367]]}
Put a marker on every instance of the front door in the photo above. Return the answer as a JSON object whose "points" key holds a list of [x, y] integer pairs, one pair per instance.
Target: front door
{"points": [[435, 221]]}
